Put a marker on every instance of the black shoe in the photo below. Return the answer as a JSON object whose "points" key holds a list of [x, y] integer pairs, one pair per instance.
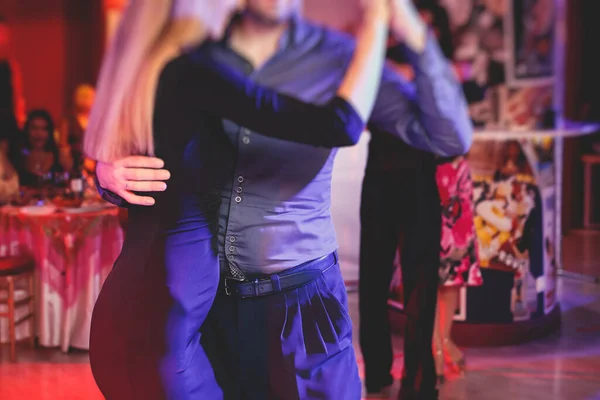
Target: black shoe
{"points": [[407, 393], [441, 379], [429, 396], [382, 386], [383, 393]]}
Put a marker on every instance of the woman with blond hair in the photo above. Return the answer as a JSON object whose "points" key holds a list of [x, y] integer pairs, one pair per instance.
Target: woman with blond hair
{"points": [[154, 99]]}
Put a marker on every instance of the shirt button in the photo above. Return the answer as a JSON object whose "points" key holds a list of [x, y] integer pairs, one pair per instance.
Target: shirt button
{"points": [[246, 140], [230, 257], [245, 131], [232, 239], [238, 189], [240, 179], [238, 199], [231, 248]]}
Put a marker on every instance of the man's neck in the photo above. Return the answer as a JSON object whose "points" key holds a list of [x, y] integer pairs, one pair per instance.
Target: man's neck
{"points": [[255, 40]]}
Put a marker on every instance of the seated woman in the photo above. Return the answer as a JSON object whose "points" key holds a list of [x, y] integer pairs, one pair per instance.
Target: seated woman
{"points": [[37, 159], [9, 180]]}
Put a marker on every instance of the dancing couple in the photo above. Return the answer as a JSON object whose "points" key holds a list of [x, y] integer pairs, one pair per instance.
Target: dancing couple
{"points": [[228, 285]]}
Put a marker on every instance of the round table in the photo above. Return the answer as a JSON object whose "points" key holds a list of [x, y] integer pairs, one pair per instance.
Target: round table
{"points": [[74, 251]]}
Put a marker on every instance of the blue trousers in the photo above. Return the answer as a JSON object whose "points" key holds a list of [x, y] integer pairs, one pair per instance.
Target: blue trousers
{"points": [[291, 345], [192, 277]]}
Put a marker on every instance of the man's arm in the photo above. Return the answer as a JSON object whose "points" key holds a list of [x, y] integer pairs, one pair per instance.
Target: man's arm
{"points": [[430, 114]]}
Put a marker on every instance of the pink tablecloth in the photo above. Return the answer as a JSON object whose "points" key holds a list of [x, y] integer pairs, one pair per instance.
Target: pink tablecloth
{"points": [[74, 253]]}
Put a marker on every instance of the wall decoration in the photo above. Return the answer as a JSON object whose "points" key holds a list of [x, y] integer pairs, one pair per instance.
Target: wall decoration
{"points": [[530, 37]]}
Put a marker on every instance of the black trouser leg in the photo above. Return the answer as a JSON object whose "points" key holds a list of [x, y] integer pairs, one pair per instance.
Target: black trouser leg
{"points": [[420, 280], [420, 262], [381, 215]]}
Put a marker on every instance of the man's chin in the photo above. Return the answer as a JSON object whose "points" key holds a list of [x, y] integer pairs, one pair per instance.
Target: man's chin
{"points": [[216, 34], [267, 19]]}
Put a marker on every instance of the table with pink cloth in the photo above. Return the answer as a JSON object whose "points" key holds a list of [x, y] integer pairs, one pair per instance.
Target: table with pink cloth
{"points": [[74, 250]]}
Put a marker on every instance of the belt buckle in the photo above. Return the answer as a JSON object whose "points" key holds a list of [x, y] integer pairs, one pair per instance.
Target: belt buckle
{"points": [[255, 287], [227, 287]]}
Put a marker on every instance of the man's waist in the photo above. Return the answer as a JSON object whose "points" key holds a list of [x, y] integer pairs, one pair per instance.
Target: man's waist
{"points": [[387, 153], [264, 285], [258, 241], [253, 265], [385, 161]]}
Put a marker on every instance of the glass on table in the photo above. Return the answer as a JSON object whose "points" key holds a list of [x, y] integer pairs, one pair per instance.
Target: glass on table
{"points": [[25, 197], [61, 179], [46, 181]]}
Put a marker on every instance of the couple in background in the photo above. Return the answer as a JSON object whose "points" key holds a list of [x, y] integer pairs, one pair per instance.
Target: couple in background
{"points": [[425, 202], [243, 228]]}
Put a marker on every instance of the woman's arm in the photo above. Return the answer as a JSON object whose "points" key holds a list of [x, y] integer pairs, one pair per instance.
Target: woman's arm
{"points": [[210, 87], [9, 180], [63, 134], [64, 150]]}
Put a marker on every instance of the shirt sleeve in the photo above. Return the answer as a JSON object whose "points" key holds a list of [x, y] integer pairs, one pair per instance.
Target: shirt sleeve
{"points": [[216, 89], [208, 87], [430, 114], [109, 196]]}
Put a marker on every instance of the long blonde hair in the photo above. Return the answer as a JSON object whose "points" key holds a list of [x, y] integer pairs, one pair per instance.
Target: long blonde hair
{"points": [[146, 40]]}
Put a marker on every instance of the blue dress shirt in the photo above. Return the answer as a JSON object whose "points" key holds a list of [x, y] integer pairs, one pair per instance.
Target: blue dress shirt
{"points": [[275, 210]]}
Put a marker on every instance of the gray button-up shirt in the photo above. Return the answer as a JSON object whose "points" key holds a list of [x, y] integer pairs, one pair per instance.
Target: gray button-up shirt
{"points": [[275, 211]]}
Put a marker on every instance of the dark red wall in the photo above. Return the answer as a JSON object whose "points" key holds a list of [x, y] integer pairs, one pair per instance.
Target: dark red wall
{"points": [[582, 93], [58, 44]]}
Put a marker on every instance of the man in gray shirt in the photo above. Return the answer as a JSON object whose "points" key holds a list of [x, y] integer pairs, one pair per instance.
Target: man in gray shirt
{"points": [[283, 312]]}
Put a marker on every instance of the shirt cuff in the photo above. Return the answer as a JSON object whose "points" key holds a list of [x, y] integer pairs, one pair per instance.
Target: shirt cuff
{"points": [[353, 124], [109, 196]]}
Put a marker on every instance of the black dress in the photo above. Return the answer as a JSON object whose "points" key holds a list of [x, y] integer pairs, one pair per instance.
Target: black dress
{"points": [[146, 324]]}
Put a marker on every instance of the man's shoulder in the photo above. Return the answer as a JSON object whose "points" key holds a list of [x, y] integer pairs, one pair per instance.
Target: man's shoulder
{"points": [[327, 37]]}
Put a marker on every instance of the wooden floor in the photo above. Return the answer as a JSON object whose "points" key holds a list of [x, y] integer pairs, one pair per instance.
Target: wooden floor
{"points": [[565, 366]]}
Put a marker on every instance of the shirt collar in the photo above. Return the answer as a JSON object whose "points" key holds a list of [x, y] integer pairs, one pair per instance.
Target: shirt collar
{"points": [[294, 35]]}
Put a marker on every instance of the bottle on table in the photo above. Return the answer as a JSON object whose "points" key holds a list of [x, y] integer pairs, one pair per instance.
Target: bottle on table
{"points": [[76, 185]]}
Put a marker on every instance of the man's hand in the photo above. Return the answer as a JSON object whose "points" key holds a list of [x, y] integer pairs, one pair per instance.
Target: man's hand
{"points": [[407, 25], [133, 174]]}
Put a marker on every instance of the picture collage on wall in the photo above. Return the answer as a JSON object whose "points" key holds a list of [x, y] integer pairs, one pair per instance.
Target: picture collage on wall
{"points": [[505, 50]]}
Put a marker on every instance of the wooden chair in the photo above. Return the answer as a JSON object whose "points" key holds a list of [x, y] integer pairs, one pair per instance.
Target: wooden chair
{"points": [[589, 161], [12, 269]]}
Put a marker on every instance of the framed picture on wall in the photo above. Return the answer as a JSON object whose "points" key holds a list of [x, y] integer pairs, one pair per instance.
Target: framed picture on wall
{"points": [[530, 37]]}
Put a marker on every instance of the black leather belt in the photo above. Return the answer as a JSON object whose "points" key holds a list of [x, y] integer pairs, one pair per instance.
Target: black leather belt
{"points": [[285, 280]]}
